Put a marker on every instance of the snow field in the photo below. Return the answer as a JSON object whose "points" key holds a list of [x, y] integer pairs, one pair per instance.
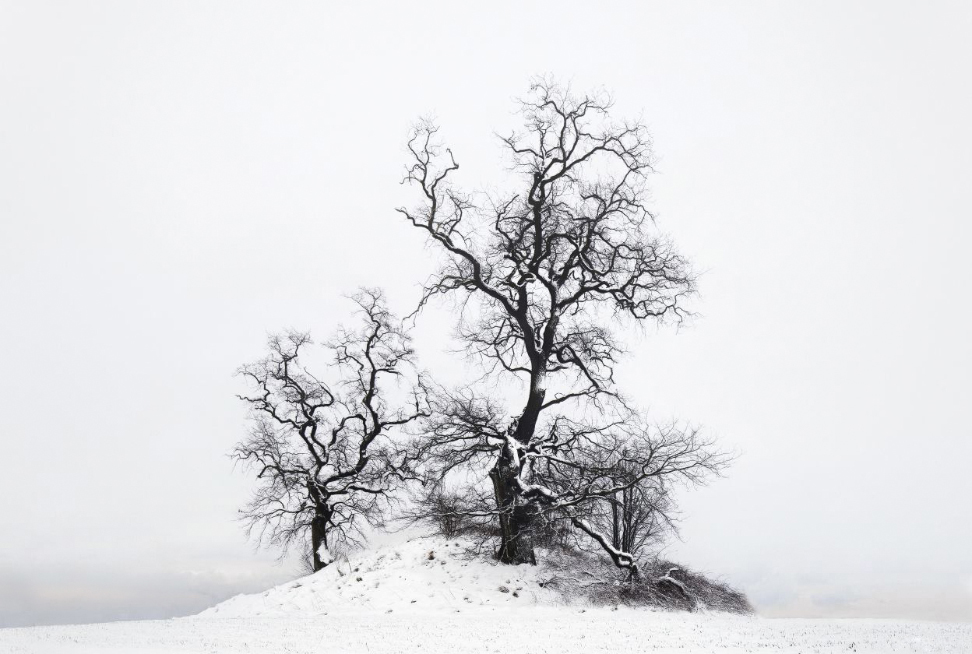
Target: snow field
{"points": [[432, 595], [538, 630]]}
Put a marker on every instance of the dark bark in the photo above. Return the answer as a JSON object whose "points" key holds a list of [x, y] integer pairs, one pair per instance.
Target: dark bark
{"points": [[517, 518], [517, 515], [504, 509], [523, 527], [526, 425], [318, 539]]}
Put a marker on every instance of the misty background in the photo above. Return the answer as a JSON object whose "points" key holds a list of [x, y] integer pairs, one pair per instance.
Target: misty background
{"points": [[178, 179]]}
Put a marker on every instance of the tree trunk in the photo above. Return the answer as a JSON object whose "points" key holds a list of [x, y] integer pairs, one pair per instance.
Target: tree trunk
{"points": [[318, 540], [527, 423], [516, 518], [615, 523]]}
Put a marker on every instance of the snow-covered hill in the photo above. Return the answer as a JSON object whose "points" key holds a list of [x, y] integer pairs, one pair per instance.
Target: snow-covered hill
{"points": [[420, 575], [430, 595], [436, 574]]}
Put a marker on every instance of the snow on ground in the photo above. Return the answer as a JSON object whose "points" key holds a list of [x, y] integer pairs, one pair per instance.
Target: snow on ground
{"points": [[537, 630], [420, 575], [429, 595]]}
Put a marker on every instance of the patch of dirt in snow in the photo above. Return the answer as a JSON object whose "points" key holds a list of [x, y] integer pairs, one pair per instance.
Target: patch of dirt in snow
{"points": [[420, 575]]}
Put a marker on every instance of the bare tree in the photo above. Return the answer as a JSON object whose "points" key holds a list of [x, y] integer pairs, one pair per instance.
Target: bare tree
{"points": [[542, 273], [322, 451], [638, 516]]}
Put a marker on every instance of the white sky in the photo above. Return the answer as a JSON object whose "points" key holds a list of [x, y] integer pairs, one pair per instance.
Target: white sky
{"points": [[177, 179]]}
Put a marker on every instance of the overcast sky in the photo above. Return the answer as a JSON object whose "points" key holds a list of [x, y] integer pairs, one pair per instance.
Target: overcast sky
{"points": [[178, 179]]}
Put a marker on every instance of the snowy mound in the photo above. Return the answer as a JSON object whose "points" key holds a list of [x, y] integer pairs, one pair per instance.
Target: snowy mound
{"points": [[434, 595], [420, 575]]}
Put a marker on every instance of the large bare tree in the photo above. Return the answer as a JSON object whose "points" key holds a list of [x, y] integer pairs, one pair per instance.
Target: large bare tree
{"points": [[543, 273], [322, 450]]}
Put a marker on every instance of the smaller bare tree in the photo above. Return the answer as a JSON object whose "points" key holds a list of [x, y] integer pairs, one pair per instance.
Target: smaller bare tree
{"points": [[638, 516], [322, 452], [580, 467]]}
